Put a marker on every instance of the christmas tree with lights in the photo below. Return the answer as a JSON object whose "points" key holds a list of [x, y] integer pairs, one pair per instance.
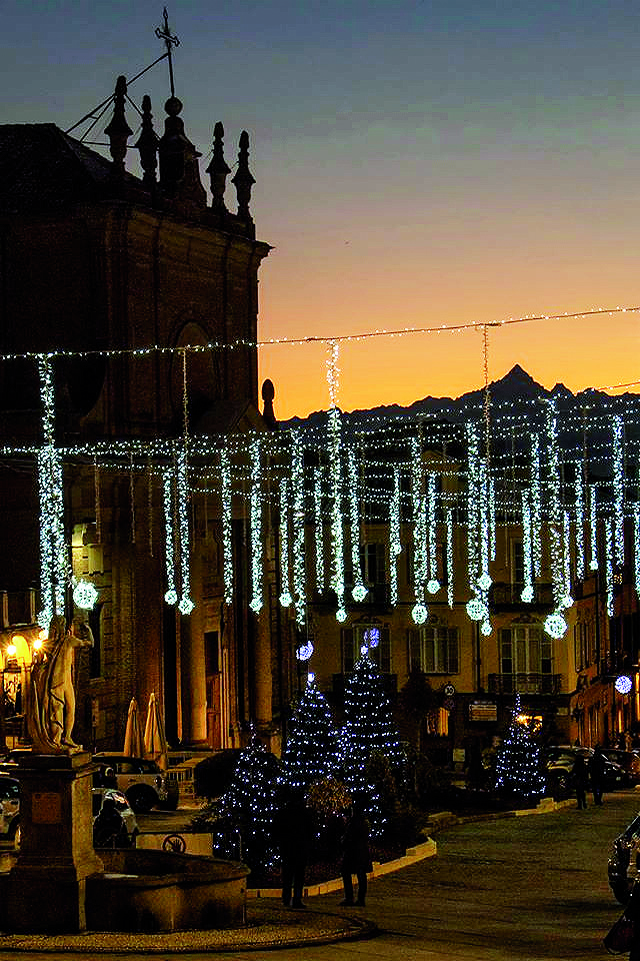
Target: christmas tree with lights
{"points": [[518, 763], [311, 752], [242, 820], [369, 739]]}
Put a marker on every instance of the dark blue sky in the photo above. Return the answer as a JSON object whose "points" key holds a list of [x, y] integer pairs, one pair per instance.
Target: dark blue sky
{"points": [[416, 164]]}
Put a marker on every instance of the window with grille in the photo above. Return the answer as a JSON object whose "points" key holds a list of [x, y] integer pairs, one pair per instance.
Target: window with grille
{"points": [[525, 649], [434, 650]]}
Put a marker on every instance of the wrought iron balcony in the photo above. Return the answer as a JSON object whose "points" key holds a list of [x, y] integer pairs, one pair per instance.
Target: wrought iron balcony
{"points": [[504, 596], [525, 683]]}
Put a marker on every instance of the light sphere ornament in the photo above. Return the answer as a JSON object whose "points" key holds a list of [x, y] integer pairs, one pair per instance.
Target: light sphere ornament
{"points": [[305, 651], [555, 626], [623, 684], [285, 599], [256, 605], [419, 614], [477, 609], [310, 678], [486, 628], [566, 601], [359, 593], [186, 605], [433, 586], [85, 595], [171, 596], [526, 595], [484, 581], [341, 615]]}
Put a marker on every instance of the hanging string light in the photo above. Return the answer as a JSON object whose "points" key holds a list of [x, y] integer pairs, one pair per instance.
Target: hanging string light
{"points": [[185, 604], [318, 527], [433, 584], [299, 517], [593, 563], [450, 577], [579, 509], [419, 611], [337, 527], [171, 595], [527, 592], [618, 491], [256, 602], [395, 544], [227, 546], [359, 591], [536, 507], [285, 594], [609, 549]]}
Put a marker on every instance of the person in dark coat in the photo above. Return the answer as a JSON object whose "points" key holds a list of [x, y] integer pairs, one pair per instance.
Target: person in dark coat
{"points": [[294, 831], [596, 774], [109, 829], [356, 858], [581, 780]]}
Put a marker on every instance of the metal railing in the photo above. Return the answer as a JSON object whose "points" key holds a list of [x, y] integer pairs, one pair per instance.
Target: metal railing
{"points": [[525, 683]]}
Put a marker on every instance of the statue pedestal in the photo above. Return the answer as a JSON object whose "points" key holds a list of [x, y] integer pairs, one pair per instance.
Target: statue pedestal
{"points": [[45, 891]]}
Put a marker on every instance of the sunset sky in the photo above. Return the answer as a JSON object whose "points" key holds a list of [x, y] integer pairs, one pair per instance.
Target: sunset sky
{"points": [[417, 164]]}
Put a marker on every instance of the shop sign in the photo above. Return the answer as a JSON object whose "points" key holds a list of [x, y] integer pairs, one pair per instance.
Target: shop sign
{"points": [[483, 711]]}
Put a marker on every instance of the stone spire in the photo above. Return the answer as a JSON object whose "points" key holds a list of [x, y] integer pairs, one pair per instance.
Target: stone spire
{"points": [[118, 130], [179, 171], [218, 169], [243, 181], [147, 144]]}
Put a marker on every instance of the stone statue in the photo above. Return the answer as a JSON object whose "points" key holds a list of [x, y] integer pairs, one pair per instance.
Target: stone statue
{"points": [[51, 707]]}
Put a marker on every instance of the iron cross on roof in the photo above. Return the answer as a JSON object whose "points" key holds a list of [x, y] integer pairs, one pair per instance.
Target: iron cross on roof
{"points": [[163, 33]]}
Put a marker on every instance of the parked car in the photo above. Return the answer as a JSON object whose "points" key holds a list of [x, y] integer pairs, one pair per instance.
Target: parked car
{"points": [[559, 761], [9, 809], [142, 781], [98, 794], [629, 761]]}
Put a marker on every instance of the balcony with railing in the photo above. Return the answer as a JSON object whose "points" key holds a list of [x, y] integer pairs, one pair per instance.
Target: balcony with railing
{"points": [[507, 596], [525, 683]]}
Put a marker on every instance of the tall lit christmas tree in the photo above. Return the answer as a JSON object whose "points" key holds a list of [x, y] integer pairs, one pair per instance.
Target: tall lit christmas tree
{"points": [[518, 764], [311, 751], [369, 735], [242, 820]]}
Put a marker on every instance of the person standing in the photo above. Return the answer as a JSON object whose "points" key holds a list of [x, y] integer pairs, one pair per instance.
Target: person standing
{"points": [[581, 780], [356, 858], [294, 841], [596, 774], [109, 829]]}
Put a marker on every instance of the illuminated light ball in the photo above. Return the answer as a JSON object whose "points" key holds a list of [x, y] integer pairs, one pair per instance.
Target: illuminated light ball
{"points": [[186, 605], [486, 628], [566, 601], [364, 649], [555, 625], [285, 599], [372, 636], [256, 605], [341, 615], [623, 684], [433, 586], [310, 677], [526, 594], [171, 596], [85, 595], [593, 566], [419, 614], [359, 593], [305, 651], [477, 609], [37, 644], [484, 581]]}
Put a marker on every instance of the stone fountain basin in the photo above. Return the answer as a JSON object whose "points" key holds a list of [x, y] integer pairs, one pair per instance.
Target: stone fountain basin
{"points": [[147, 890]]}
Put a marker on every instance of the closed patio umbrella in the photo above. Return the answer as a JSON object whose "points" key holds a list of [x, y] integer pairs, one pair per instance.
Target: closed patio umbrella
{"points": [[133, 740], [155, 741]]}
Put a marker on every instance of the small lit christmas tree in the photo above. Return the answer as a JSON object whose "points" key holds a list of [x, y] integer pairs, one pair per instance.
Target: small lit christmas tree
{"points": [[518, 763], [311, 752], [242, 820], [368, 735]]}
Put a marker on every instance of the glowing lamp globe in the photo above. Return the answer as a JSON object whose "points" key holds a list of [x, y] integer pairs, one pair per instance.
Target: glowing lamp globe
{"points": [[305, 651], [341, 615], [256, 605], [526, 595], [85, 595], [419, 614], [566, 601], [623, 684], [310, 678], [484, 581], [171, 597], [433, 586], [476, 609], [555, 626], [285, 599], [486, 628], [186, 605], [359, 593], [12, 650]]}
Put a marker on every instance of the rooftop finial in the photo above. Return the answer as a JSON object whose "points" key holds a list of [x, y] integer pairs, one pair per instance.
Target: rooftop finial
{"points": [[218, 169], [147, 144], [118, 130], [243, 181], [170, 41]]}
